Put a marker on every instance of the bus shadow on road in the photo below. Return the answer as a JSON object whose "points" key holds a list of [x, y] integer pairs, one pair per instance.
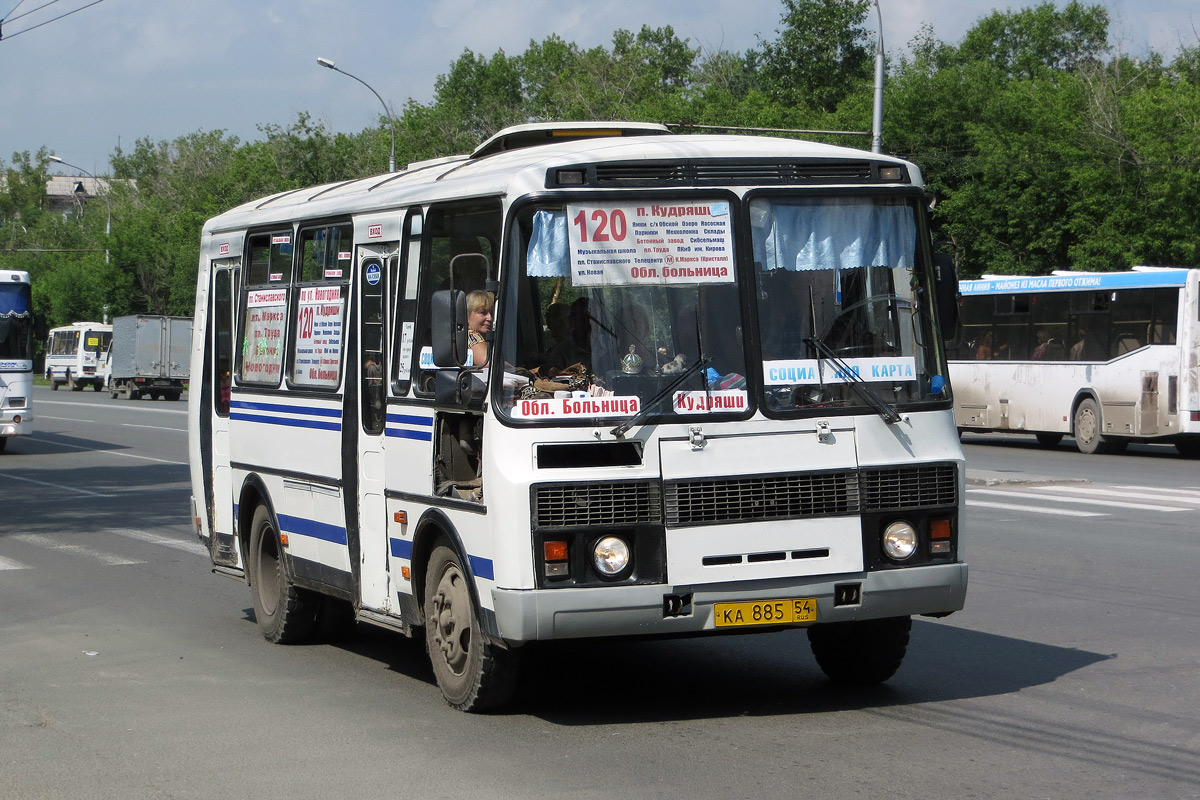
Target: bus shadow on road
{"points": [[606, 682], [617, 681]]}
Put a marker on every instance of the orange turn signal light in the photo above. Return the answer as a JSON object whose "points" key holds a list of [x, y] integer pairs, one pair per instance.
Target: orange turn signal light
{"points": [[939, 529], [400, 517], [554, 551], [283, 539]]}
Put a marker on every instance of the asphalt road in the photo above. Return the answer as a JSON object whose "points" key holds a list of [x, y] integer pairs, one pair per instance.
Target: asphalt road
{"points": [[128, 670]]}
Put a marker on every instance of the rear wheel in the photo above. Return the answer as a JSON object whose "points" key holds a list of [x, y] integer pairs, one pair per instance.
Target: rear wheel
{"points": [[860, 653], [171, 395], [72, 384], [112, 389], [1049, 439], [53, 383], [1087, 427], [285, 614], [473, 673]]}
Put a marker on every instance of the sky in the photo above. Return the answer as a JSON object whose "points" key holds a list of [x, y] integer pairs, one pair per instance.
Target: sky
{"points": [[111, 72]]}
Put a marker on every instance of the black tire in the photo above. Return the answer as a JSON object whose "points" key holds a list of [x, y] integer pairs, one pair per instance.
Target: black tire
{"points": [[473, 673], [1049, 439], [285, 614], [3, 443], [1087, 427], [134, 394], [53, 383], [72, 384], [113, 392], [860, 653], [172, 395]]}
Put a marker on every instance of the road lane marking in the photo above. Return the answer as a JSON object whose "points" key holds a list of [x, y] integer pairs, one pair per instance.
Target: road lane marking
{"points": [[1111, 491], [122, 424], [189, 546], [1060, 512], [1089, 500], [139, 409], [8, 563], [42, 540], [108, 452], [58, 486], [1192, 490]]}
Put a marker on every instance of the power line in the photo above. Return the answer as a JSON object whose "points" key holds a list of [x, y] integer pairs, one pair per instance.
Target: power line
{"points": [[47, 22], [27, 13]]}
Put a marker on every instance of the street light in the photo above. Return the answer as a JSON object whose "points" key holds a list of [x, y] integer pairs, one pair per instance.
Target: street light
{"points": [[327, 64], [107, 202]]}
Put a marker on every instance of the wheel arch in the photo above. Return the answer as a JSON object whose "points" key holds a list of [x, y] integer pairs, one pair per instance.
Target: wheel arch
{"points": [[432, 526], [253, 494], [1083, 394]]}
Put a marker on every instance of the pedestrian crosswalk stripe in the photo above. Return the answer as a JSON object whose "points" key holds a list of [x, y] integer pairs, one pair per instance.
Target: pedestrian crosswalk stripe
{"points": [[1096, 500], [1113, 491], [1061, 512], [187, 545], [43, 540]]}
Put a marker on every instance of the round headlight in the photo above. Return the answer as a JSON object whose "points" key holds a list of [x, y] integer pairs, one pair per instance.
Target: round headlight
{"points": [[610, 556], [899, 540]]}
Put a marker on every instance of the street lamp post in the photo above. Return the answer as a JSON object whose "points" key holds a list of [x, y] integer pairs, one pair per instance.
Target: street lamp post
{"points": [[327, 64], [107, 202]]}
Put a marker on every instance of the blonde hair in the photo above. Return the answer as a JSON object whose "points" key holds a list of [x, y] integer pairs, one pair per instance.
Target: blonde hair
{"points": [[480, 300]]}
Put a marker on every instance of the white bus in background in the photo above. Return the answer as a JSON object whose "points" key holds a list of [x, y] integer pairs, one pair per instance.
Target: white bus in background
{"points": [[16, 356], [75, 355], [1106, 357], [714, 399]]}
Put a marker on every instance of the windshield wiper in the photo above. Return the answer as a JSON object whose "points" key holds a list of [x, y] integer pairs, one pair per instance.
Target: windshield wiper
{"points": [[860, 386], [639, 417]]}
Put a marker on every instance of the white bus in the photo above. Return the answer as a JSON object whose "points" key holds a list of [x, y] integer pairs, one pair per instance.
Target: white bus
{"points": [[16, 356], [75, 355], [714, 399], [1106, 357]]}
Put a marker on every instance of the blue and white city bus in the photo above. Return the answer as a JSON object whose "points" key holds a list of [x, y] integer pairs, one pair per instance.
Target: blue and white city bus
{"points": [[16, 356], [714, 399], [1106, 357]]}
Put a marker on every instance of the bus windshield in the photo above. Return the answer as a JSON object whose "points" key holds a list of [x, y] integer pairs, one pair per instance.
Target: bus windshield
{"points": [[16, 323], [839, 302], [617, 313]]}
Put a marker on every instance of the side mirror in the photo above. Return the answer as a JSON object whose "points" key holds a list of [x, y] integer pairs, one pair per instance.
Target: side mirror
{"points": [[465, 388], [946, 293], [449, 328]]}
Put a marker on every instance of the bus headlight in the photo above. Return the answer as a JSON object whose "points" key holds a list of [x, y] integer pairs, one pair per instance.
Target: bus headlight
{"points": [[610, 556], [899, 540]]}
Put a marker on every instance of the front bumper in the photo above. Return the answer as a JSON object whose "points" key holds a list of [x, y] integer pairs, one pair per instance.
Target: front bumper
{"points": [[529, 615]]}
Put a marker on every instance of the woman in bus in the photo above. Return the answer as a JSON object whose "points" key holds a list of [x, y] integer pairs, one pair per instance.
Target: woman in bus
{"points": [[480, 309]]}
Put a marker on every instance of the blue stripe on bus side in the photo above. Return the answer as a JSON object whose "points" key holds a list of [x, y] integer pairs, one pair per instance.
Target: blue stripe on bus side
{"points": [[278, 408], [312, 528], [294, 423], [481, 567], [404, 433]]}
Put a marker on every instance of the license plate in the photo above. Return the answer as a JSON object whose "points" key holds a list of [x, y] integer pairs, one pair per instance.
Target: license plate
{"points": [[765, 612]]}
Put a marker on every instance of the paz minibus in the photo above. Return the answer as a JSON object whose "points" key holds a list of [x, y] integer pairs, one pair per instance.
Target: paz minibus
{"points": [[713, 399]]}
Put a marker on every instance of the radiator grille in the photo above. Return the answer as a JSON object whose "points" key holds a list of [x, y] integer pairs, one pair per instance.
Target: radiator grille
{"points": [[568, 505], [745, 498], [910, 487], [760, 498]]}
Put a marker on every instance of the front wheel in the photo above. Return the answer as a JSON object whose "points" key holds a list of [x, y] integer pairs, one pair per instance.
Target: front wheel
{"points": [[473, 674], [1189, 448], [3, 443], [285, 613], [860, 653]]}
